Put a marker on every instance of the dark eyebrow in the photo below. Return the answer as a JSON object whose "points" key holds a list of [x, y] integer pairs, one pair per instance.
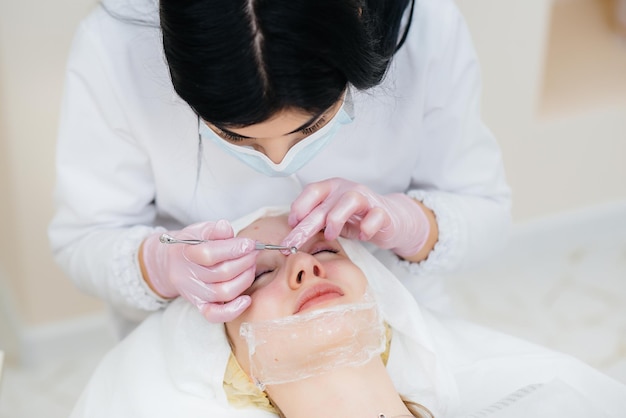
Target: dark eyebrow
{"points": [[305, 125]]}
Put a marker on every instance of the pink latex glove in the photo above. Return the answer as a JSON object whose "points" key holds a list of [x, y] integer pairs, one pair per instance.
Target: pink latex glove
{"points": [[341, 207], [211, 275]]}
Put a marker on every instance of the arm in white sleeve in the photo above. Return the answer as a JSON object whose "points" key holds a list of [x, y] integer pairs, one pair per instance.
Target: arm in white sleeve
{"points": [[461, 176], [105, 190]]}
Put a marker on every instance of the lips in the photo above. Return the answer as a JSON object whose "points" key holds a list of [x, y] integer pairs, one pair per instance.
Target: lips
{"points": [[317, 295]]}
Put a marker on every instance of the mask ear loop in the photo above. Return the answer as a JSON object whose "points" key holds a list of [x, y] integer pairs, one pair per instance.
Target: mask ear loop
{"points": [[198, 158]]}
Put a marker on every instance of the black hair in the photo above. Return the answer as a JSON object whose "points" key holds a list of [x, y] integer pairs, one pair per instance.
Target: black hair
{"points": [[238, 62]]}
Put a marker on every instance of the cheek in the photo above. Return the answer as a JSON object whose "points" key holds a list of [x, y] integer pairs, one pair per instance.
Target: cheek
{"points": [[349, 276], [269, 302], [361, 281]]}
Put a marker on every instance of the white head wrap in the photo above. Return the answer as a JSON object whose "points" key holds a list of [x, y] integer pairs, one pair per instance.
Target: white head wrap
{"points": [[416, 369]]}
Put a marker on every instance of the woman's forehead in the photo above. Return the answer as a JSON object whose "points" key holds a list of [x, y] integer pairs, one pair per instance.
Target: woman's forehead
{"points": [[267, 227]]}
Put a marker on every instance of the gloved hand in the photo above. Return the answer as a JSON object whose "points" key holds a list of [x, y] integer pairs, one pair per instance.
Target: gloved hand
{"points": [[211, 275], [393, 221]]}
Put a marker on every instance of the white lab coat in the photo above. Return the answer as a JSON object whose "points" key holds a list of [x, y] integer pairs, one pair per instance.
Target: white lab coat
{"points": [[173, 364], [129, 160]]}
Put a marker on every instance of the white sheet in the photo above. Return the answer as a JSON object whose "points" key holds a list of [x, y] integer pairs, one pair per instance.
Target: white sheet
{"points": [[173, 364], [489, 366], [549, 400]]}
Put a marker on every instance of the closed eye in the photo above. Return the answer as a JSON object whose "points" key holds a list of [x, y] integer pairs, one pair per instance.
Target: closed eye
{"points": [[262, 273], [325, 250]]}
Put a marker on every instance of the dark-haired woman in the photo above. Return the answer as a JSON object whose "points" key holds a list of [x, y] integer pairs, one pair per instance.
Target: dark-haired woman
{"points": [[181, 116]]}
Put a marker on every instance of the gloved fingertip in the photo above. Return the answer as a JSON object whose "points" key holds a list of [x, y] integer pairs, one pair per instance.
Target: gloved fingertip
{"points": [[223, 226], [248, 245], [226, 312], [294, 239], [287, 242], [292, 220], [330, 234], [201, 305], [241, 303]]}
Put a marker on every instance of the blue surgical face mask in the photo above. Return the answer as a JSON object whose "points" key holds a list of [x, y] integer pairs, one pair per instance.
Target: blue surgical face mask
{"points": [[297, 156]]}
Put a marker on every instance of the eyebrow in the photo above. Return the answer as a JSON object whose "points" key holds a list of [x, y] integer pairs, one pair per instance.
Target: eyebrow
{"points": [[305, 125]]}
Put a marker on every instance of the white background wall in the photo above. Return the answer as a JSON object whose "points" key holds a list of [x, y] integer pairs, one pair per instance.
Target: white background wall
{"points": [[564, 145], [560, 154], [34, 40]]}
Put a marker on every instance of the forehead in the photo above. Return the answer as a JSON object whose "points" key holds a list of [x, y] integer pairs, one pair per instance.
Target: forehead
{"points": [[266, 228]]}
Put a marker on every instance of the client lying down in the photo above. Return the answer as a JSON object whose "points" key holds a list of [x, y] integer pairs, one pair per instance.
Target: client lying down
{"points": [[332, 333]]}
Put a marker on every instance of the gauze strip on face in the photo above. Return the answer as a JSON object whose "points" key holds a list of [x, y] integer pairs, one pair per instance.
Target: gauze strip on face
{"points": [[300, 346]]}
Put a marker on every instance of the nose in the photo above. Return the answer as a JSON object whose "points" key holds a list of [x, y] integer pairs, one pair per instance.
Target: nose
{"points": [[276, 148], [276, 151], [303, 267]]}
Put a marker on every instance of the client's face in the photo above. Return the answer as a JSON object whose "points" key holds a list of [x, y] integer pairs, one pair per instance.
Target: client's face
{"points": [[319, 275]]}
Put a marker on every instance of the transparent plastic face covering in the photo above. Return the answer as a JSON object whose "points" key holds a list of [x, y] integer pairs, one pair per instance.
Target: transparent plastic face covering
{"points": [[301, 346]]}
